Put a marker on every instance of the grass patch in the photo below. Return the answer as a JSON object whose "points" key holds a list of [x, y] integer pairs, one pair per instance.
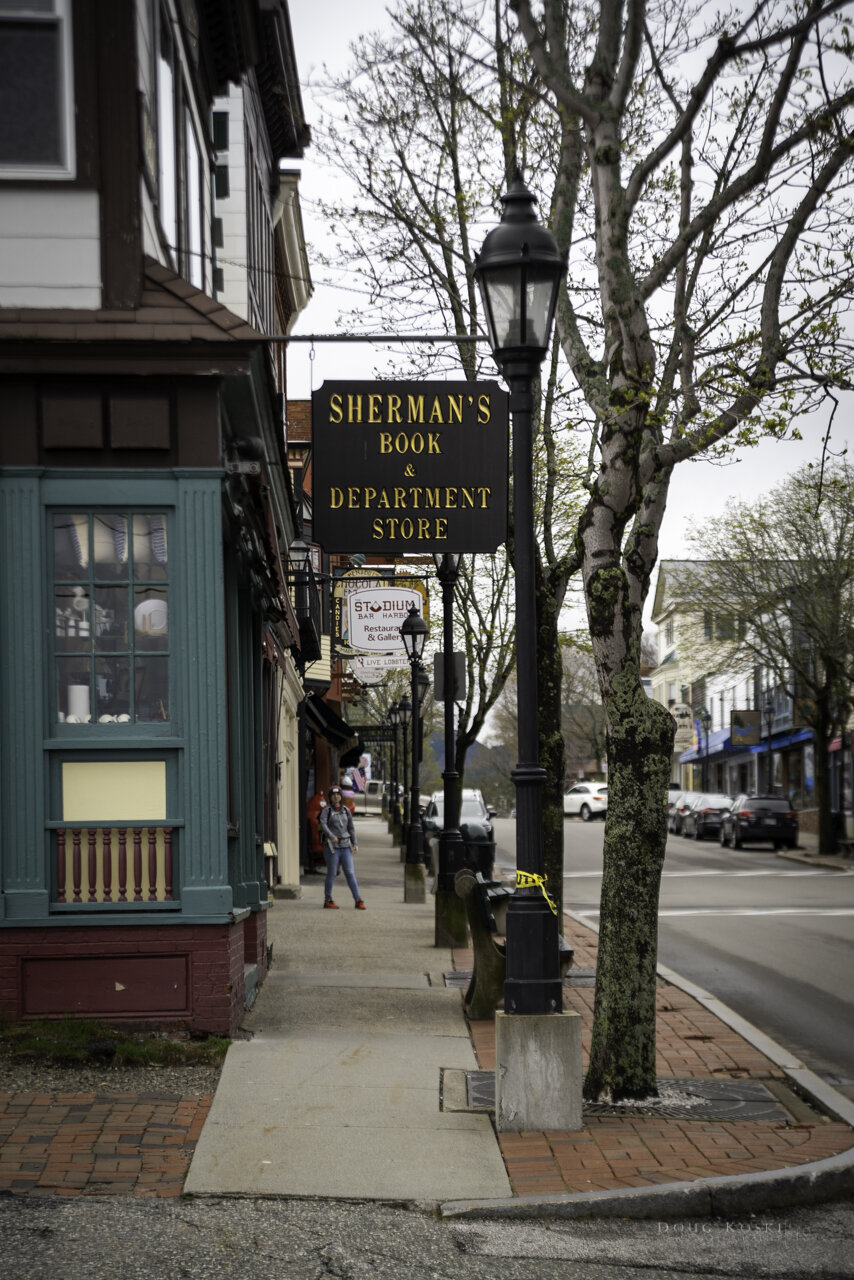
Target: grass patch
{"points": [[72, 1041]]}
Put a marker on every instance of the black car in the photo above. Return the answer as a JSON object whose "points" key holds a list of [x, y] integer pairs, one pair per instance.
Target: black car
{"points": [[703, 818], [760, 820]]}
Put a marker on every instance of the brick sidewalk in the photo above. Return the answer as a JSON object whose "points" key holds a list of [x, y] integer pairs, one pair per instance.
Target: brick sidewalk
{"points": [[98, 1144], [613, 1152]]}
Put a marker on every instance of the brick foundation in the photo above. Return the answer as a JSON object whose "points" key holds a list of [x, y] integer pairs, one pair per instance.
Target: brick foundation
{"points": [[255, 943], [181, 974]]}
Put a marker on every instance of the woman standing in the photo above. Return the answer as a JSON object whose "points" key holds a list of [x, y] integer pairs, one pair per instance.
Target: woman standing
{"points": [[337, 824]]}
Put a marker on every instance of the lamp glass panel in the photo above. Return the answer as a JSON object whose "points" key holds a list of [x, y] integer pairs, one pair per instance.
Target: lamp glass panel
{"points": [[539, 305], [501, 290]]}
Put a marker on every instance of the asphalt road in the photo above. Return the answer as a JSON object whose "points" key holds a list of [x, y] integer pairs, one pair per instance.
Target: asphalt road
{"points": [[55, 1238], [772, 938]]}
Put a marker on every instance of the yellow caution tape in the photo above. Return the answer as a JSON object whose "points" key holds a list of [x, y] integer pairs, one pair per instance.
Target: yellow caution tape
{"points": [[527, 880]]}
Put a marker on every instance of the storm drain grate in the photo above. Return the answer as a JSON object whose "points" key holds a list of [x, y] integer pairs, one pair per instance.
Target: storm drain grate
{"points": [[679, 1099]]}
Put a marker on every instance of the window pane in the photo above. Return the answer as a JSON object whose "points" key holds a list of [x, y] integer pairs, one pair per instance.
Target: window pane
{"points": [[70, 546], [30, 79], [111, 619], [73, 696], [112, 687], [152, 688], [195, 237], [167, 203], [149, 546], [71, 619], [110, 546], [151, 618]]}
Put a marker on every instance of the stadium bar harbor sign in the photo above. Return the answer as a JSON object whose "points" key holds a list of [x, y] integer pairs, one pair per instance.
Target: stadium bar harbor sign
{"points": [[410, 466]]}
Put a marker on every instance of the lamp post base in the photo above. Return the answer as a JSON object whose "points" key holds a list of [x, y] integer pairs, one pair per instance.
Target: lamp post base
{"points": [[414, 882], [538, 1080], [451, 923]]}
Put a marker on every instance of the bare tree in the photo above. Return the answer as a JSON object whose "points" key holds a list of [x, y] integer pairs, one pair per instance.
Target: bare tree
{"points": [[432, 123], [704, 198]]}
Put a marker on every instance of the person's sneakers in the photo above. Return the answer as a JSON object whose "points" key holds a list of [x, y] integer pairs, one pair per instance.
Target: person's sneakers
{"points": [[360, 906], [330, 905]]}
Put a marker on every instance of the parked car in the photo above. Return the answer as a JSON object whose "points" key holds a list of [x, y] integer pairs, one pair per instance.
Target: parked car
{"points": [[703, 817], [677, 806], [587, 799], [760, 820], [472, 809]]}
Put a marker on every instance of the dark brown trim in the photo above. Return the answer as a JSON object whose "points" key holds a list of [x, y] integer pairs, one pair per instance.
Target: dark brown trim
{"points": [[118, 126]]}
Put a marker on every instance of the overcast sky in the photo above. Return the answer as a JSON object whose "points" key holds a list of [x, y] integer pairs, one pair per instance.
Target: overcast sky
{"points": [[323, 31]]}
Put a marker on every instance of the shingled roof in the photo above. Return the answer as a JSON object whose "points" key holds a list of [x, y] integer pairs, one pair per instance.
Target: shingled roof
{"points": [[171, 310]]}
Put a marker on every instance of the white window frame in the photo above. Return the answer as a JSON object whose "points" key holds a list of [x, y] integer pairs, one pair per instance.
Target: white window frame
{"points": [[59, 16]]}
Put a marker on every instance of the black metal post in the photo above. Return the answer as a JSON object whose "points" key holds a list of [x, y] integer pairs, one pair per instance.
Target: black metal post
{"points": [[532, 984], [405, 721], [415, 832], [451, 847]]}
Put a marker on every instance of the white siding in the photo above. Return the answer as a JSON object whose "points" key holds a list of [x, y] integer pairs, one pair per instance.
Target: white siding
{"points": [[50, 249], [232, 210]]}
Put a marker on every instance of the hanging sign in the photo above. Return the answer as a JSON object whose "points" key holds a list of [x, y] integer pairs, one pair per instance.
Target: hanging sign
{"points": [[684, 717], [369, 611], [372, 669], [409, 466], [744, 728]]}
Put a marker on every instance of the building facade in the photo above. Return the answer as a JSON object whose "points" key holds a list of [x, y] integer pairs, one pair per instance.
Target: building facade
{"points": [[151, 672]]}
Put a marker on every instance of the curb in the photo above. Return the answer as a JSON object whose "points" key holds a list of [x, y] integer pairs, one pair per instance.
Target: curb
{"points": [[814, 1183]]}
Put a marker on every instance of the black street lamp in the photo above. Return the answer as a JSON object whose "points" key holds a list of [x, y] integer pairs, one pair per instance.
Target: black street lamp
{"points": [[706, 721], [450, 912], [393, 718], [414, 635], [768, 713], [519, 271], [404, 709]]}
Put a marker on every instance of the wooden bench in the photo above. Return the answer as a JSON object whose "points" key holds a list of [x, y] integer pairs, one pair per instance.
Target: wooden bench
{"points": [[486, 903]]}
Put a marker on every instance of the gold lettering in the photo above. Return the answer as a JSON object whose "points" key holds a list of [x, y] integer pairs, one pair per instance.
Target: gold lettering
{"points": [[468, 497], [484, 409], [441, 527], [353, 498], [401, 442], [376, 529], [416, 442], [436, 411], [393, 410], [433, 442], [414, 408], [451, 497], [455, 408], [406, 528], [484, 497], [385, 442], [392, 524], [370, 494], [384, 502], [399, 498], [423, 527], [431, 498], [336, 408], [415, 496], [354, 408], [336, 498], [374, 408]]}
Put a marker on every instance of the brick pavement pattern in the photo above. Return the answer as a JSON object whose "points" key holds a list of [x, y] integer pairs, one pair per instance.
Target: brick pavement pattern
{"points": [[613, 1152], [98, 1144]]}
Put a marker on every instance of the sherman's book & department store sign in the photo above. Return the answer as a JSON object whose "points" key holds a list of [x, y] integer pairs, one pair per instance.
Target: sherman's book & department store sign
{"points": [[410, 466]]}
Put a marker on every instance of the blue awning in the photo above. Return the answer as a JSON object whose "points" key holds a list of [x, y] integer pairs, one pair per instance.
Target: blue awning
{"points": [[719, 741]]}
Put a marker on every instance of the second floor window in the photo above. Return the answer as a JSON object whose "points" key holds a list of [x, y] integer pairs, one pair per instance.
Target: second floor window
{"points": [[111, 617], [36, 89]]}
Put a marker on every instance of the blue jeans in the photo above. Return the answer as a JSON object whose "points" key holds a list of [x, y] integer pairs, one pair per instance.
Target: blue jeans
{"points": [[335, 855]]}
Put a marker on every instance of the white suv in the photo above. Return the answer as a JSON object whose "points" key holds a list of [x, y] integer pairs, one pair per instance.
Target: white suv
{"points": [[587, 799]]}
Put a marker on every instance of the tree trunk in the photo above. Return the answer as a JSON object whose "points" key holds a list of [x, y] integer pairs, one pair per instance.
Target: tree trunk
{"points": [[826, 819], [551, 745], [622, 1061]]}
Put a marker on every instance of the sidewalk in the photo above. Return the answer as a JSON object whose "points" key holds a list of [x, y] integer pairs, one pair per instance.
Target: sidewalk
{"points": [[344, 1090]]}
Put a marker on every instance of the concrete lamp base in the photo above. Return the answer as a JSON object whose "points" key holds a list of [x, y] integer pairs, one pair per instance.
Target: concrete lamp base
{"points": [[537, 1072], [414, 882]]}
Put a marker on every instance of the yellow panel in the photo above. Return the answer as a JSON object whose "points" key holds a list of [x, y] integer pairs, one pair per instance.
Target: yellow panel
{"points": [[114, 791]]}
